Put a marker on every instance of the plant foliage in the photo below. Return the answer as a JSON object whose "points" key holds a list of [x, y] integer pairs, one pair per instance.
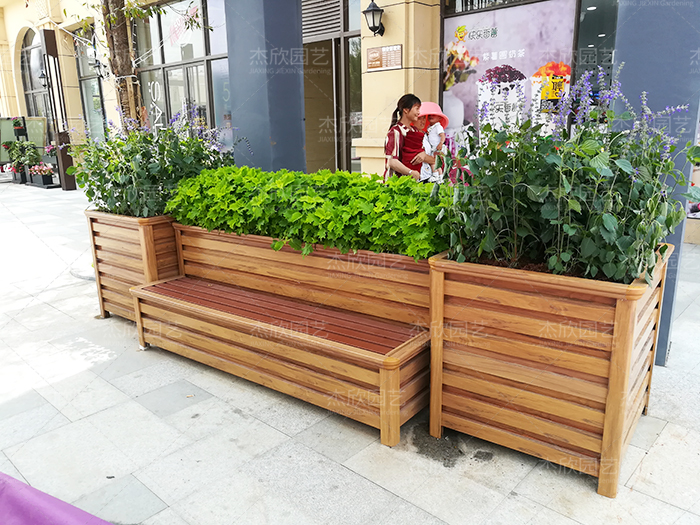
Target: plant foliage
{"points": [[22, 153], [344, 210], [133, 173], [595, 202]]}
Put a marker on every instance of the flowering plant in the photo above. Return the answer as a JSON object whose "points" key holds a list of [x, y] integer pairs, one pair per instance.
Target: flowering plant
{"points": [[17, 122], [458, 64], [50, 149], [41, 169], [594, 201], [133, 171]]}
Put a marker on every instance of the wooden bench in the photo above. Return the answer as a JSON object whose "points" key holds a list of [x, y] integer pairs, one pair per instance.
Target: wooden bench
{"points": [[345, 332]]}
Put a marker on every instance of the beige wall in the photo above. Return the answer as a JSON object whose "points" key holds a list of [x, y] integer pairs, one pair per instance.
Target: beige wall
{"points": [[416, 26], [15, 20]]}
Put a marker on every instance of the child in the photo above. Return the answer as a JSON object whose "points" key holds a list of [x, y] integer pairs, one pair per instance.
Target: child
{"points": [[434, 139]]}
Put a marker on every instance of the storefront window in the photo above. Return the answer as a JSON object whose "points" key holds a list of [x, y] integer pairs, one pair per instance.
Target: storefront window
{"points": [[354, 13], [217, 21], [355, 96], [180, 80], [222, 100], [90, 87], [147, 42], [153, 93], [181, 43], [35, 95]]}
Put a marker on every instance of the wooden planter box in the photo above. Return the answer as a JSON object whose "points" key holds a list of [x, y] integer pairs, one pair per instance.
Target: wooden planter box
{"points": [[129, 251], [556, 367], [322, 328]]}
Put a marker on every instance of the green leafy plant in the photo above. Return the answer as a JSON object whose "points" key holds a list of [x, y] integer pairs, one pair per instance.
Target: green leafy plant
{"points": [[593, 202], [22, 153], [17, 122], [344, 210], [133, 173]]}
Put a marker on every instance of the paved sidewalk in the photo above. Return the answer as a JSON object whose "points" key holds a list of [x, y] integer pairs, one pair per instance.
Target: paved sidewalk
{"points": [[150, 437]]}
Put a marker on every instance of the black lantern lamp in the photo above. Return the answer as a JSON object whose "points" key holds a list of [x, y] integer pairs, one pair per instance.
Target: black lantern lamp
{"points": [[43, 79], [373, 15]]}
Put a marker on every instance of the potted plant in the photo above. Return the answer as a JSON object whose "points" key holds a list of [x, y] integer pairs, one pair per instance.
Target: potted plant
{"points": [[19, 126], [21, 155], [128, 178], [548, 299], [41, 174]]}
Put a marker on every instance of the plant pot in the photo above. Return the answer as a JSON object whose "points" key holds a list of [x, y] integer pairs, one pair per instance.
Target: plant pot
{"points": [[42, 180], [557, 367], [129, 251], [20, 132], [19, 177]]}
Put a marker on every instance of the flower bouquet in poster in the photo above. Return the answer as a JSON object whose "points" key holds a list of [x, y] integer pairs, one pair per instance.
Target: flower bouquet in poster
{"points": [[550, 83], [501, 99], [459, 65]]}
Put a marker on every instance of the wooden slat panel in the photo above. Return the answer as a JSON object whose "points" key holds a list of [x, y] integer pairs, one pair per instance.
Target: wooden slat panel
{"points": [[165, 261], [163, 232], [367, 305], [323, 279], [646, 333], [567, 333], [123, 274], [116, 285], [338, 266], [117, 233], [123, 300], [166, 248], [523, 444], [299, 375], [636, 403], [566, 436], [638, 376], [351, 410], [418, 384], [538, 353], [119, 310], [283, 351], [415, 405], [524, 398], [382, 260], [532, 301], [646, 317], [539, 282], [415, 366], [555, 382], [122, 261], [122, 247]]}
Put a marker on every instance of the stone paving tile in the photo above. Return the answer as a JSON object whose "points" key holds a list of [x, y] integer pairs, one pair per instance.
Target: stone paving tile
{"points": [[166, 517], [172, 398], [338, 437], [138, 433], [242, 499], [647, 432], [204, 419], [574, 495], [70, 461], [6, 467], [675, 397], [669, 472], [164, 372], [331, 493], [518, 510], [291, 415], [125, 500], [186, 470]]}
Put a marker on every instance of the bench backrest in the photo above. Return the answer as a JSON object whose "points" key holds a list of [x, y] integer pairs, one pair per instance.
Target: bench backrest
{"points": [[389, 286]]}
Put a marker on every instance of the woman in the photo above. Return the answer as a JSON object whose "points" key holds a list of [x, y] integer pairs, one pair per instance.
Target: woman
{"points": [[404, 117]]}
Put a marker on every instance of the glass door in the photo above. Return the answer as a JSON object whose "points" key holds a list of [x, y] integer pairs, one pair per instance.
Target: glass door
{"points": [[176, 91], [197, 93]]}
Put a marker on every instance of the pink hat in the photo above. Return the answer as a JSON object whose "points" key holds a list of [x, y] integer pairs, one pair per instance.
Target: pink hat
{"points": [[431, 108]]}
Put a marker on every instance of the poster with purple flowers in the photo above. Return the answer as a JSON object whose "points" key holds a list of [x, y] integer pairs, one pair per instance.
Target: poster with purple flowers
{"points": [[507, 65]]}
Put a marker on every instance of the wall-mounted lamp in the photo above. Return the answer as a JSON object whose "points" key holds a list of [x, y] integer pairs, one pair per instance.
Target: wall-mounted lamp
{"points": [[43, 79], [373, 15]]}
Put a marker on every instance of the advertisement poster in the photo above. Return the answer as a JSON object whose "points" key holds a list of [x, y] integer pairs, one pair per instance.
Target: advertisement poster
{"points": [[507, 65]]}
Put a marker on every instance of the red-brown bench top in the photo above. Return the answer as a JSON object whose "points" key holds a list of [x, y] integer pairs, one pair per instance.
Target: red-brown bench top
{"points": [[350, 328]]}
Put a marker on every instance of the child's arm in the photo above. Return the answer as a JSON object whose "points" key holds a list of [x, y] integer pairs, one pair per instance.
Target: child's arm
{"points": [[442, 142]]}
